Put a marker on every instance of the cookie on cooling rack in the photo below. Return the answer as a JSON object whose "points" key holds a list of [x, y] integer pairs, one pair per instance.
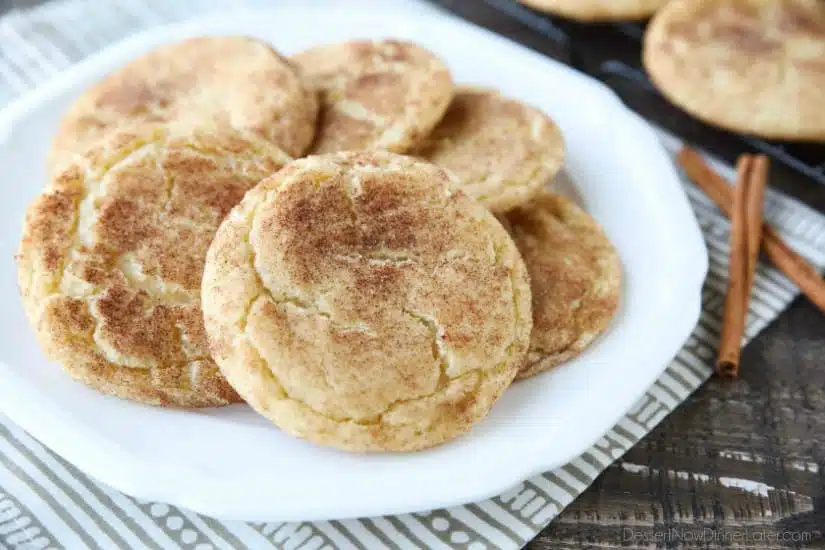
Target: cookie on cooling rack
{"points": [[598, 10], [751, 66]]}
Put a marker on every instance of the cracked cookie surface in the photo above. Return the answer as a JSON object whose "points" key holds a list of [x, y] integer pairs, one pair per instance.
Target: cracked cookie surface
{"points": [[362, 301], [751, 66], [110, 262], [575, 276], [502, 151], [232, 81], [382, 94]]}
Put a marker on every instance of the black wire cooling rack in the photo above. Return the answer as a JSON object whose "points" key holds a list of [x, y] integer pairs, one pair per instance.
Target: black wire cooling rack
{"points": [[612, 54]]}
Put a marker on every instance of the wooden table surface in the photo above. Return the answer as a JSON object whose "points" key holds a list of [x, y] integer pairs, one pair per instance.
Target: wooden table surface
{"points": [[740, 464]]}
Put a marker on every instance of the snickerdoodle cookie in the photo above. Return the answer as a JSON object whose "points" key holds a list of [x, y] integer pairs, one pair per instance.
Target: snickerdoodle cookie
{"points": [[752, 66], [575, 278], [362, 301], [502, 151], [231, 81], [110, 262], [383, 94], [598, 10]]}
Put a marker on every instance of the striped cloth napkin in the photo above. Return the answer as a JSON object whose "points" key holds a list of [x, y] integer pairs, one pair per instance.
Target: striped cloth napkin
{"points": [[46, 503]]}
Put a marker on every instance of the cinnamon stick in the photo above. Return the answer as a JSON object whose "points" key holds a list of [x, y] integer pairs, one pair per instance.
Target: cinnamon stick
{"points": [[736, 301], [789, 262], [753, 214]]}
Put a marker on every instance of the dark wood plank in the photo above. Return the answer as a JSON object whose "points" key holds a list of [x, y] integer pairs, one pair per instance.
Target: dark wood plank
{"points": [[739, 465]]}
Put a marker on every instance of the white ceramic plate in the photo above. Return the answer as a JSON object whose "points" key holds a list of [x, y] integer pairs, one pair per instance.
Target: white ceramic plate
{"points": [[232, 464]]}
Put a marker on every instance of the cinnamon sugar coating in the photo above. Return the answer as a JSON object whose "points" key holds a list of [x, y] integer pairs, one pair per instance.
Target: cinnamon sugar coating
{"points": [[751, 66], [575, 278], [382, 94], [233, 81], [361, 301], [502, 151], [112, 253]]}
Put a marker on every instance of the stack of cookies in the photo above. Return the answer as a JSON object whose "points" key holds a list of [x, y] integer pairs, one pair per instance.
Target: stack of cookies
{"points": [[365, 253]]}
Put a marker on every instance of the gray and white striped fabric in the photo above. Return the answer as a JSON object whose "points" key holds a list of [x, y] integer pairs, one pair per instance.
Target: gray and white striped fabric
{"points": [[47, 503]]}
